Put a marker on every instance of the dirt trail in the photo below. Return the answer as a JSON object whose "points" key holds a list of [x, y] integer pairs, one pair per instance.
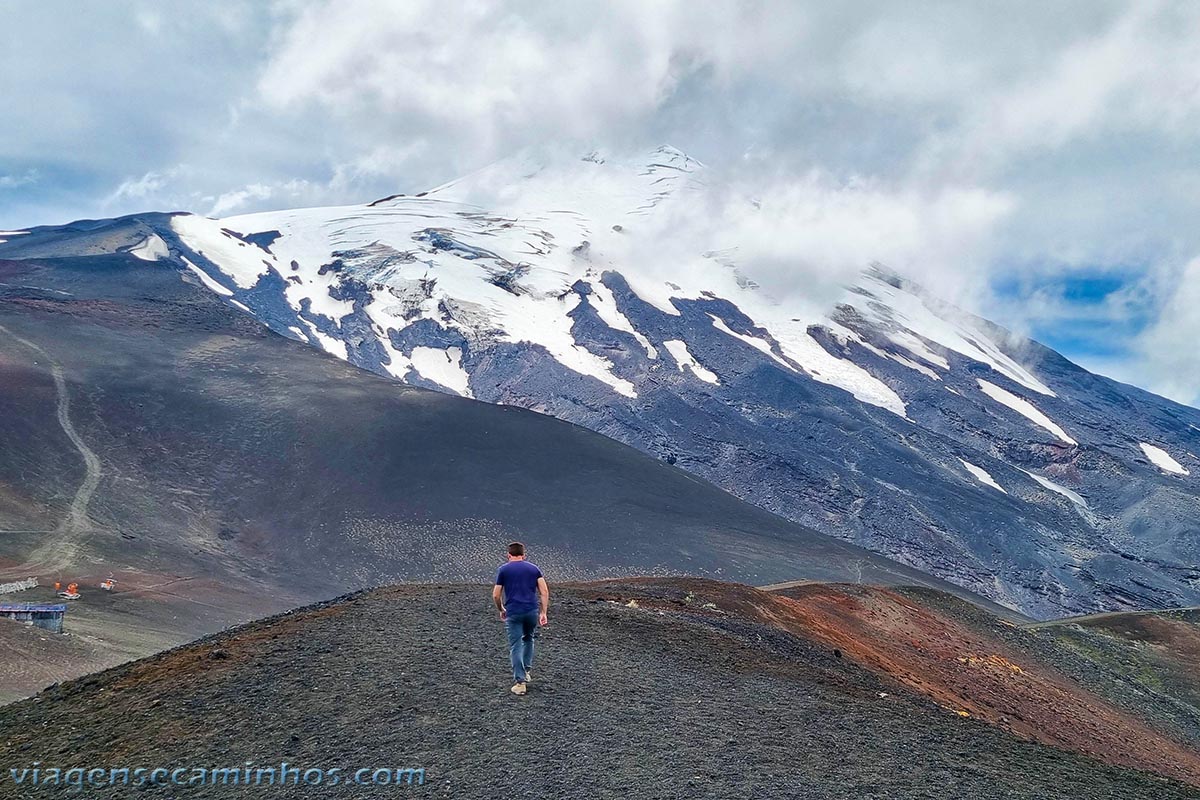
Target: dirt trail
{"points": [[60, 550], [1106, 615]]}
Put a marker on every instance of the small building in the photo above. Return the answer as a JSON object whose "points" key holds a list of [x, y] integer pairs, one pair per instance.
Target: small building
{"points": [[48, 616]]}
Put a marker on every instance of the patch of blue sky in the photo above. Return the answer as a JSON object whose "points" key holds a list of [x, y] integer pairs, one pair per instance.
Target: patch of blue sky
{"points": [[1083, 313]]}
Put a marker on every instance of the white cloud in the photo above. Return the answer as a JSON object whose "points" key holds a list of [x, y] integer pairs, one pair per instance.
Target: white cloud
{"points": [[952, 141], [385, 161], [237, 199], [805, 237], [1167, 360], [15, 181], [149, 20], [148, 185], [481, 73], [1136, 75]]}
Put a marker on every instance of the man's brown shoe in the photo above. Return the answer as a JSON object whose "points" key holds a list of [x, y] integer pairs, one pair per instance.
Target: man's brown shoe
{"points": [[518, 688]]}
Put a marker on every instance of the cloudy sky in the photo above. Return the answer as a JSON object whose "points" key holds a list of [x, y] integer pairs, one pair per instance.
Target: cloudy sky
{"points": [[1040, 162]]}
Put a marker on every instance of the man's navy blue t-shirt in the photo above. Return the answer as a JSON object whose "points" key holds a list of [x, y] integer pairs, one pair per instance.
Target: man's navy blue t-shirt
{"points": [[519, 579]]}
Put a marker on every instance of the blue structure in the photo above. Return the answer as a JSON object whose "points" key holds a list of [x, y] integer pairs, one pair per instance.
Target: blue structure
{"points": [[42, 615]]}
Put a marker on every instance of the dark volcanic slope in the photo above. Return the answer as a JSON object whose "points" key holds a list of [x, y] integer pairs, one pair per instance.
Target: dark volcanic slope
{"points": [[219, 439], [669, 699], [151, 431]]}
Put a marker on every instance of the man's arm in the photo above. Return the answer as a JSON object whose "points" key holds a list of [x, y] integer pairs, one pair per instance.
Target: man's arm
{"points": [[498, 601], [544, 593]]}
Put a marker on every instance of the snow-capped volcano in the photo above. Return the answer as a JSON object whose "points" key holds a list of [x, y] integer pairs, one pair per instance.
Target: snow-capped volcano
{"points": [[878, 414], [518, 269]]}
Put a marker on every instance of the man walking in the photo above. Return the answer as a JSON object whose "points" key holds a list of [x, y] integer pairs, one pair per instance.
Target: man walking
{"points": [[522, 585]]}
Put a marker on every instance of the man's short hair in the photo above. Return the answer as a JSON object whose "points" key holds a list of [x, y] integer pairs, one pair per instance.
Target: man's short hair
{"points": [[516, 549]]}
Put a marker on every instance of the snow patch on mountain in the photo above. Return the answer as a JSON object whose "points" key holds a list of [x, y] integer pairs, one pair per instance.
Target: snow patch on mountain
{"points": [[683, 358], [1162, 459], [1079, 503], [152, 248], [240, 260], [982, 475], [443, 367], [1071, 495], [890, 305], [601, 298], [207, 280], [913, 365], [918, 348], [1024, 408], [315, 296], [406, 254], [547, 323], [329, 344], [753, 341], [657, 293], [818, 363], [799, 346]]}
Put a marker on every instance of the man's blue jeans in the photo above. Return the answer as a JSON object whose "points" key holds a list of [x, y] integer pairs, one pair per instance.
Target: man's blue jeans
{"points": [[522, 630]]}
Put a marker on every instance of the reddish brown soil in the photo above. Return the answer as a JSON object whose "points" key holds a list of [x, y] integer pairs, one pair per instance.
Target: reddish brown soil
{"points": [[1175, 639], [965, 670]]}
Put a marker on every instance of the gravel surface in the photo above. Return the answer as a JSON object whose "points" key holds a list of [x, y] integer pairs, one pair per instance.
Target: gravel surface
{"points": [[662, 704], [1146, 664]]}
